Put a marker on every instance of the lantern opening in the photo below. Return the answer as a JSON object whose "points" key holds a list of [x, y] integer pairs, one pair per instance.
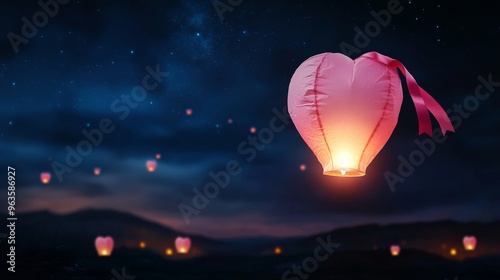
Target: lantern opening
{"points": [[345, 172]]}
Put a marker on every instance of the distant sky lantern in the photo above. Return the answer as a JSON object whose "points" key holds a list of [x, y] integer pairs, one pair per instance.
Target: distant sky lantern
{"points": [[182, 245], [253, 129], [303, 167], [469, 243], [346, 110], [104, 246], [189, 111], [142, 244], [229, 121], [97, 171], [277, 251], [158, 156], [169, 252], [453, 251], [395, 249], [151, 165], [45, 177]]}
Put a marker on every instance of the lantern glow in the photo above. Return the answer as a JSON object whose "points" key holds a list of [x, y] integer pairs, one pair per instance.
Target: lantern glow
{"points": [[142, 244], [277, 250], [158, 156], [189, 111], [346, 110], [253, 129], [97, 171], [453, 251], [169, 252], [104, 246], [469, 243], [182, 245], [303, 167], [151, 165], [395, 249], [45, 177]]}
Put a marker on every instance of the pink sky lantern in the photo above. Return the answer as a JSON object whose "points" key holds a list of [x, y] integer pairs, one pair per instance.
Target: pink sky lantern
{"points": [[253, 129], [229, 121], [158, 156], [395, 249], [45, 177], [151, 165], [303, 167], [104, 246], [182, 245], [470, 243], [346, 110], [97, 171], [189, 111]]}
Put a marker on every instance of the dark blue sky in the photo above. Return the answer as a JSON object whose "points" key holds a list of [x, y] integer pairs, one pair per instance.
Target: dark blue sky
{"points": [[66, 77]]}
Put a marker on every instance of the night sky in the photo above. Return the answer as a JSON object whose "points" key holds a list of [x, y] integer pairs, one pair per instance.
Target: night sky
{"points": [[67, 76]]}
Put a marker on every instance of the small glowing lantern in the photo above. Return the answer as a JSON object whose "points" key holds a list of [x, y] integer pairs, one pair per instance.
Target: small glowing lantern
{"points": [[97, 171], [453, 251], [277, 250], [189, 111], [303, 167], [253, 129], [346, 110], [229, 121], [45, 177], [151, 165], [470, 243], [395, 249], [182, 245], [104, 246], [169, 252], [142, 244], [158, 156]]}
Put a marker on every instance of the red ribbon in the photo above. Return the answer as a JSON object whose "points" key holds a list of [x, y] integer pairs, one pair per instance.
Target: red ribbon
{"points": [[423, 101]]}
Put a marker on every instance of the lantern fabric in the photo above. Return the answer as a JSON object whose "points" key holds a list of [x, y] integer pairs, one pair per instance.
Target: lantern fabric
{"points": [[151, 165], [182, 245], [97, 171], [469, 243], [346, 110], [104, 246], [45, 177]]}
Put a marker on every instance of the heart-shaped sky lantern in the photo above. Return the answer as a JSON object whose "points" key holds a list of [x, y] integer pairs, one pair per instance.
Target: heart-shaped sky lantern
{"points": [[346, 110], [104, 246], [469, 243], [182, 245]]}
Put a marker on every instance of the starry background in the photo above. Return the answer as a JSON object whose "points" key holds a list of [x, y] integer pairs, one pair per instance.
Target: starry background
{"points": [[66, 77]]}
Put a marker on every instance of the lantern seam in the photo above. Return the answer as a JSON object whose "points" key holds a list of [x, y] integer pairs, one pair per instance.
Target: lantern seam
{"points": [[381, 118], [317, 110]]}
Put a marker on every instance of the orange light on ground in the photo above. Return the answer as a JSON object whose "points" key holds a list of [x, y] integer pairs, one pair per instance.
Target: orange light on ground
{"points": [[189, 111], [303, 167], [97, 171], [253, 129], [277, 251], [142, 244], [169, 252], [45, 177], [453, 252], [395, 249]]}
